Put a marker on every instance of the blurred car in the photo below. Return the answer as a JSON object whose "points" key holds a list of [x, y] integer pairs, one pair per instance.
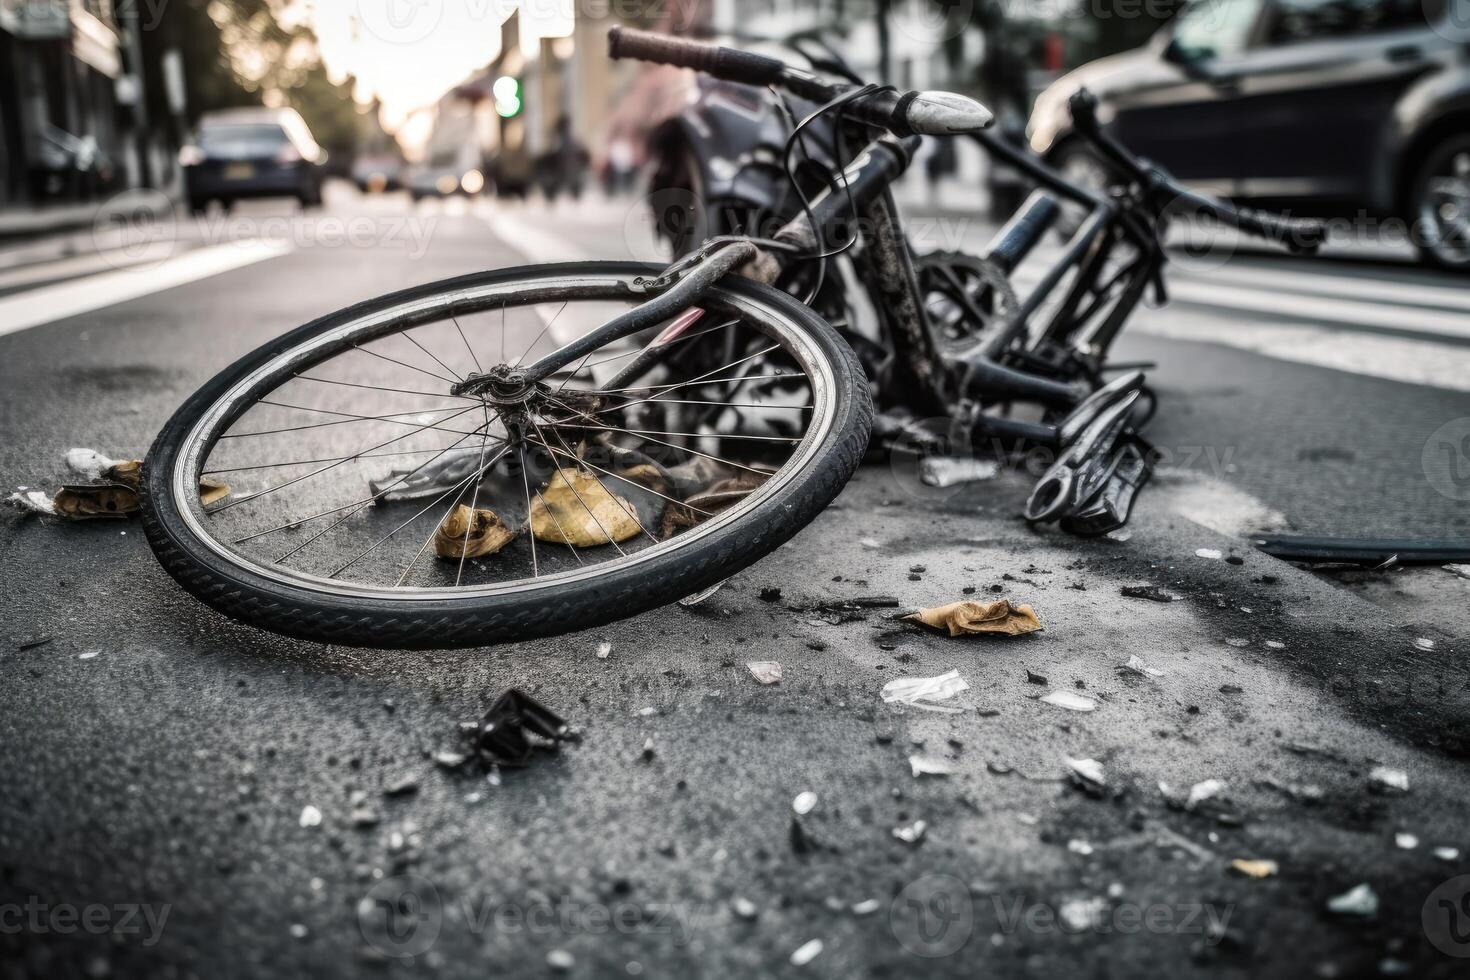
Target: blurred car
{"points": [[241, 153], [375, 173], [1325, 107], [453, 172]]}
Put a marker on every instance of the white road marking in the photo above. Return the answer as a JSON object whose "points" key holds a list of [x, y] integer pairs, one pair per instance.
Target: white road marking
{"points": [[535, 243], [1344, 286], [51, 303]]}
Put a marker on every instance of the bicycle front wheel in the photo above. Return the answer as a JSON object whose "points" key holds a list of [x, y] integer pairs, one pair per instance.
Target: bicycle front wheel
{"points": [[386, 482]]}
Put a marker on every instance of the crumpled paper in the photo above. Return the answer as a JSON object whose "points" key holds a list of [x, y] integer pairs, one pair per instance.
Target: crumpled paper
{"points": [[467, 533], [967, 618], [575, 508]]}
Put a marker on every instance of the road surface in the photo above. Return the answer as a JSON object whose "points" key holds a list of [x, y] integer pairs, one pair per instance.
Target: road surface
{"points": [[183, 795]]}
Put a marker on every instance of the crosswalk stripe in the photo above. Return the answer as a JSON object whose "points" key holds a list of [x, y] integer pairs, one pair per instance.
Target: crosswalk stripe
{"points": [[48, 304], [1381, 291]]}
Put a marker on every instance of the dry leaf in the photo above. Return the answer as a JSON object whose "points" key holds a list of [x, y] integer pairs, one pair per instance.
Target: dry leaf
{"points": [[212, 491], [575, 508], [101, 500], [965, 618], [469, 533], [128, 471]]}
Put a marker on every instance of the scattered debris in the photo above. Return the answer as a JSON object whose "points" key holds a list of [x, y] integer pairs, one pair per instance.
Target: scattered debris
{"points": [[466, 533], [310, 816], [1254, 868], [113, 492], [1406, 841], [1070, 701], [1079, 914], [403, 786], [88, 654], [911, 834], [604, 650], [1088, 775], [1308, 794], [965, 618], [1446, 853], [765, 671], [744, 908], [1382, 779], [1211, 553], [1136, 664], [928, 765], [1424, 643], [648, 750], [1032, 677], [504, 731], [804, 803], [1237, 642], [1275, 645], [1202, 791], [1079, 847], [574, 508], [560, 960], [947, 471], [450, 759], [866, 907], [922, 692], [770, 594], [1360, 901], [806, 952], [698, 597], [1150, 592], [871, 543]]}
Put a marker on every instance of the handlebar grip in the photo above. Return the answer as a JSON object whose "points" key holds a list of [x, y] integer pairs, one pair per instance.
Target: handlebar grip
{"points": [[1300, 235], [712, 59]]}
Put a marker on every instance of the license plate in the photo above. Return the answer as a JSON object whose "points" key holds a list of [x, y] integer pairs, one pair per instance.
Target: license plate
{"points": [[239, 171]]}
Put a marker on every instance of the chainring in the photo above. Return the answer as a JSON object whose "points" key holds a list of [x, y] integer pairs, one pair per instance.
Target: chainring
{"points": [[965, 296]]}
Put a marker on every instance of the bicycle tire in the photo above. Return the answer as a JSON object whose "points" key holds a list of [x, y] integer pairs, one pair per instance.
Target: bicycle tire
{"points": [[243, 593]]}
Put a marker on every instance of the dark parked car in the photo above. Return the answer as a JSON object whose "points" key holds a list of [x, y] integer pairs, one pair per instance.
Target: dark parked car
{"points": [[1326, 107], [253, 153]]}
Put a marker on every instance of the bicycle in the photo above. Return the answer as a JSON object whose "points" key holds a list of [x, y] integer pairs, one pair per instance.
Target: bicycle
{"points": [[618, 471]]}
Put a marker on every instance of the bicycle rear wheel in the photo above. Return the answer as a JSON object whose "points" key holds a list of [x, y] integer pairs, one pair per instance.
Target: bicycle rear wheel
{"points": [[650, 470]]}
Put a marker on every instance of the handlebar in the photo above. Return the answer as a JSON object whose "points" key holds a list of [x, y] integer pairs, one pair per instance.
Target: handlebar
{"points": [[901, 113], [1300, 235]]}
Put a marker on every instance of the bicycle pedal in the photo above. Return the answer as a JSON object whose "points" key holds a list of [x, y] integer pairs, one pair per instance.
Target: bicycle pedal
{"points": [[1109, 508]]}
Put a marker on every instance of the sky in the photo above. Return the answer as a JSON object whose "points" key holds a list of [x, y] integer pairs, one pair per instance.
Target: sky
{"points": [[407, 53]]}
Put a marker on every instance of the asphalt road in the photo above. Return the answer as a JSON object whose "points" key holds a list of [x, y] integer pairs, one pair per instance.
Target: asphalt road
{"points": [[180, 794]]}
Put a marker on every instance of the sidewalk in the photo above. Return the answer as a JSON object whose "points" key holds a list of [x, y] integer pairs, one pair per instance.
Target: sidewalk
{"points": [[28, 221]]}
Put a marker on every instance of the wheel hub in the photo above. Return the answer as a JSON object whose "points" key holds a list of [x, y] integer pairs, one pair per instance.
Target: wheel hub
{"points": [[503, 386]]}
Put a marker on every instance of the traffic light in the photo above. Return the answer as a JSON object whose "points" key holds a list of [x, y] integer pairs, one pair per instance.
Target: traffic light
{"points": [[507, 92]]}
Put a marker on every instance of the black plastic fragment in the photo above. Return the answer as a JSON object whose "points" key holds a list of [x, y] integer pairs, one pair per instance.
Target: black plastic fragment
{"points": [[1363, 551], [503, 732]]}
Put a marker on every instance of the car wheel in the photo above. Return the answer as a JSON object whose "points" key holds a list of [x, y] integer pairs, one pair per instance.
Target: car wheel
{"points": [[1440, 205]]}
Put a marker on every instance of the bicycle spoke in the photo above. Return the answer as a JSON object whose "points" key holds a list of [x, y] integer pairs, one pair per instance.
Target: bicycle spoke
{"points": [[460, 486], [690, 435], [401, 391], [538, 337], [702, 377], [346, 417], [466, 340], [411, 367], [624, 479], [337, 510], [409, 337], [262, 493], [347, 517], [526, 482], [474, 503], [327, 459], [685, 449]]}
